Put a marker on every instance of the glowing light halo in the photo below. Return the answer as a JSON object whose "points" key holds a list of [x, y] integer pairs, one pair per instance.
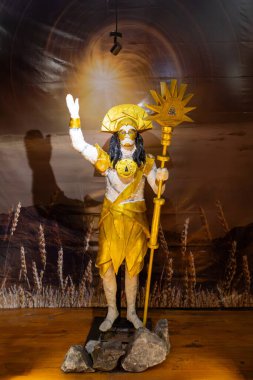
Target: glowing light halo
{"points": [[103, 80]]}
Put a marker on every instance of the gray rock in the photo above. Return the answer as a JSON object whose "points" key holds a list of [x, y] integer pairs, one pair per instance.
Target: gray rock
{"points": [[146, 350], [162, 330], [106, 355], [77, 360], [90, 345]]}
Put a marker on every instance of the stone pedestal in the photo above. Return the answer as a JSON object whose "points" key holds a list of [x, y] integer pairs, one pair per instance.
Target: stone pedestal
{"points": [[120, 349]]}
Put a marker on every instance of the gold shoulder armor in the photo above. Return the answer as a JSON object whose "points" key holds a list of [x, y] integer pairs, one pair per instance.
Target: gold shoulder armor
{"points": [[103, 161], [148, 164]]}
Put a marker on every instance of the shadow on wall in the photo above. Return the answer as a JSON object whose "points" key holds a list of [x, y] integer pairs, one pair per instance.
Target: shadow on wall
{"points": [[48, 198]]}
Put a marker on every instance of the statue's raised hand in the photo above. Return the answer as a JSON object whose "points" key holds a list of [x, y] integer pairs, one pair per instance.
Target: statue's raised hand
{"points": [[75, 132], [73, 106]]}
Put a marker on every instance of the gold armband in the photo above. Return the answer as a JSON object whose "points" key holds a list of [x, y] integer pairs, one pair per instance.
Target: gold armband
{"points": [[75, 123]]}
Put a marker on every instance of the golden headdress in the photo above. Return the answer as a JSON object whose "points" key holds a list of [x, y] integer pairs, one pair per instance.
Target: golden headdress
{"points": [[126, 114]]}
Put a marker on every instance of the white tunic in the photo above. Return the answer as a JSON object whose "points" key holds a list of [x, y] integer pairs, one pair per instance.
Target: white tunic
{"points": [[114, 183]]}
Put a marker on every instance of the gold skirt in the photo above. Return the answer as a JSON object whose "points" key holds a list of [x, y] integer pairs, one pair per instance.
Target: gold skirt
{"points": [[123, 236]]}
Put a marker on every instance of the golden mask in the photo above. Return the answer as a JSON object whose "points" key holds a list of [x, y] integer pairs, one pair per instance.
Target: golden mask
{"points": [[132, 133]]}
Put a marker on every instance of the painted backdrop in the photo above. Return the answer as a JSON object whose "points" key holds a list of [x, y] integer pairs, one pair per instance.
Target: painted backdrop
{"points": [[50, 198]]}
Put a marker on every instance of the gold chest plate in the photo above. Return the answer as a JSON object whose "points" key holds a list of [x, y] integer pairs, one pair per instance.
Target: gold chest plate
{"points": [[126, 168]]}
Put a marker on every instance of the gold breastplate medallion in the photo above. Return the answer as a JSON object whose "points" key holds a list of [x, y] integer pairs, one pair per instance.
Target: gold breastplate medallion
{"points": [[126, 168]]}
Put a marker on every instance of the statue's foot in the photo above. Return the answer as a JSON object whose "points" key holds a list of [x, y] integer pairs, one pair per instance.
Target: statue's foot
{"points": [[109, 320], [132, 317]]}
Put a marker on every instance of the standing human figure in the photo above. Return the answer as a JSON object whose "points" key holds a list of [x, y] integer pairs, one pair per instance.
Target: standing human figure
{"points": [[123, 225]]}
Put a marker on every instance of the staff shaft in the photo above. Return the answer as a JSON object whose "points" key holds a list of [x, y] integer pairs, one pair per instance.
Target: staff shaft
{"points": [[158, 202]]}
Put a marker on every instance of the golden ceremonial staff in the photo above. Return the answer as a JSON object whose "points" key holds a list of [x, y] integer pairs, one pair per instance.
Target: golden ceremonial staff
{"points": [[169, 112]]}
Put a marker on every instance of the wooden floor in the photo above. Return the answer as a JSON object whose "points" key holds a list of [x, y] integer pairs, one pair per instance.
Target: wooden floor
{"points": [[206, 345]]}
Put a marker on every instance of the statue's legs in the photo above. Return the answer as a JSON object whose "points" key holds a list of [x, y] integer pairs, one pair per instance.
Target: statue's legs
{"points": [[131, 286], [110, 289]]}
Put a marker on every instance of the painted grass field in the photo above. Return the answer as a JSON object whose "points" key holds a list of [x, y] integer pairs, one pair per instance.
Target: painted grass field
{"points": [[32, 288]]}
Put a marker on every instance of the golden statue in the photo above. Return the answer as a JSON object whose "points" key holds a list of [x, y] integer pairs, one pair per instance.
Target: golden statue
{"points": [[123, 225], [124, 230]]}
